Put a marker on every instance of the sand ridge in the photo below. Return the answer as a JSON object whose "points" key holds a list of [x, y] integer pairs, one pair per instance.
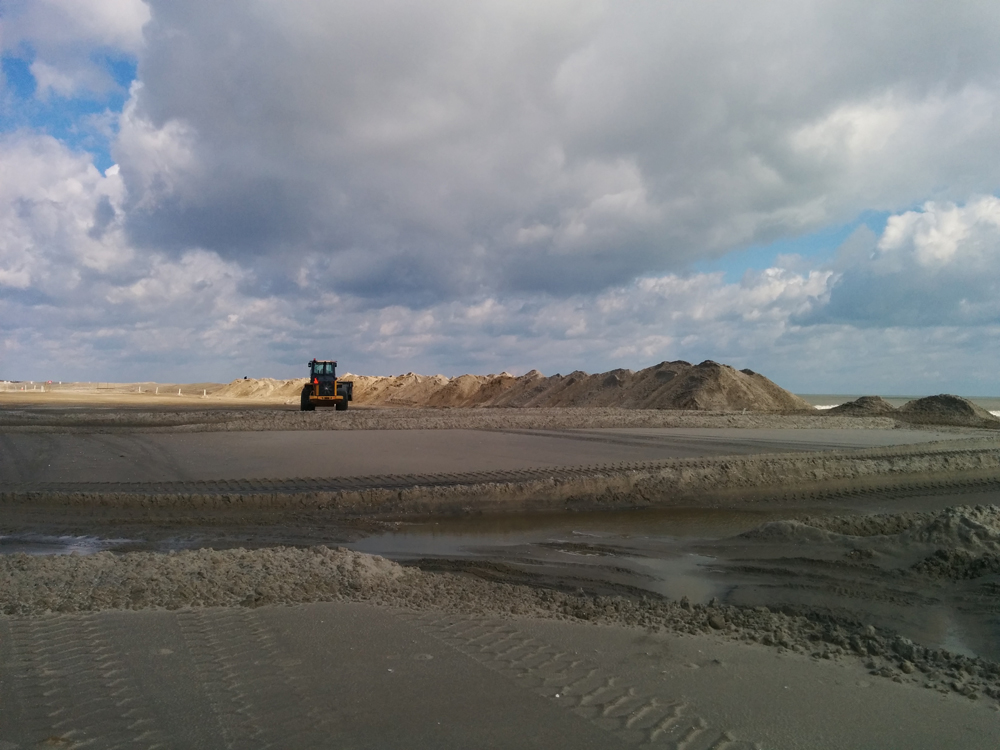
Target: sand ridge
{"points": [[240, 418], [709, 480]]}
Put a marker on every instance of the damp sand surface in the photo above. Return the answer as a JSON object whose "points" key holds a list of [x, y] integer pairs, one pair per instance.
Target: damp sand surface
{"points": [[765, 624], [316, 643], [931, 575], [781, 557]]}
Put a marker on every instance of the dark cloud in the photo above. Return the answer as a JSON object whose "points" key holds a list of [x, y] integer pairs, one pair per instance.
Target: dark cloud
{"points": [[443, 150], [104, 214]]}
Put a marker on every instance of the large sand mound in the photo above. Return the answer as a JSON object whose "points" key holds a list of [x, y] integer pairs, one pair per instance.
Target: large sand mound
{"points": [[947, 409], [708, 386]]}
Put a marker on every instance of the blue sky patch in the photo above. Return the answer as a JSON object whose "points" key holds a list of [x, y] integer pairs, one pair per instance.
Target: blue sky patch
{"points": [[87, 122], [819, 246], [17, 74]]}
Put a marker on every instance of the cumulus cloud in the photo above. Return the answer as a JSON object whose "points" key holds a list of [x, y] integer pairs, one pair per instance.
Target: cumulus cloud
{"points": [[74, 293], [447, 150], [935, 266], [66, 35], [60, 217]]}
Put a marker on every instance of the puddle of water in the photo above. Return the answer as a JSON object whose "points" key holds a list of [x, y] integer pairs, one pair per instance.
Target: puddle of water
{"points": [[954, 641], [645, 550], [408, 545], [642, 549], [677, 523], [676, 577], [40, 544]]}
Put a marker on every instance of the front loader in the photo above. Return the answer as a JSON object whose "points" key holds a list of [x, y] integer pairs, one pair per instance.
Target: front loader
{"points": [[323, 388]]}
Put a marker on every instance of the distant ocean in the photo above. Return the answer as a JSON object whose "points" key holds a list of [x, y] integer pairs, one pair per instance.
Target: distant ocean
{"points": [[830, 400]]}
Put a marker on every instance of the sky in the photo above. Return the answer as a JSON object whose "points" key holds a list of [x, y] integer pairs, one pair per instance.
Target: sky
{"points": [[196, 191]]}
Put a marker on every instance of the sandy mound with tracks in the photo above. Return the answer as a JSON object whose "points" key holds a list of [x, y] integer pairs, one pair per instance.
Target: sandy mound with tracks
{"points": [[708, 386]]}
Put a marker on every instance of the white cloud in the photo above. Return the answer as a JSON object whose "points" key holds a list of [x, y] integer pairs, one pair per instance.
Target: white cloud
{"points": [[941, 234], [936, 266], [66, 35], [61, 23], [891, 149], [158, 159], [48, 78], [84, 303], [59, 217]]}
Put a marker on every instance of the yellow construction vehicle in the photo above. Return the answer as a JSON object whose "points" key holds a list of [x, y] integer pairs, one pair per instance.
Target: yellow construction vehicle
{"points": [[323, 388]]}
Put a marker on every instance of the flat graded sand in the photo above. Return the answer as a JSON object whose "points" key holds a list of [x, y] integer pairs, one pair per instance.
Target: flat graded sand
{"points": [[79, 457]]}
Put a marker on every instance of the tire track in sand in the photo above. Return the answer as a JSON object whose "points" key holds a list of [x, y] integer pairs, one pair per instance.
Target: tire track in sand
{"points": [[251, 689], [577, 684], [74, 690]]}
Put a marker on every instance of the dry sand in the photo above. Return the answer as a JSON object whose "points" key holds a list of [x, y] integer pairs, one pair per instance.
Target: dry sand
{"points": [[727, 480]]}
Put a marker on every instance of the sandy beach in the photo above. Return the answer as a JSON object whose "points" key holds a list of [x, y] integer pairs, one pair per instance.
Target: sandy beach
{"points": [[541, 577]]}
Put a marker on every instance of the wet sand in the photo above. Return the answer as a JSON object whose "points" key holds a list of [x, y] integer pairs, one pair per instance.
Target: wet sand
{"points": [[294, 646], [361, 676], [375, 653]]}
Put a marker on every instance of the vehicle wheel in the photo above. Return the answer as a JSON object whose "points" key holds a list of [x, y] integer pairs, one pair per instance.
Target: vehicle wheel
{"points": [[342, 405], [304, 400]]}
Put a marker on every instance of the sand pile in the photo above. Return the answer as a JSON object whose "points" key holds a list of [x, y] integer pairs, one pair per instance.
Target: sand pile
{"points": [[141, 580], [262, 388], [865, 406], [401, 390], [708, 386], [971, 529], [947, 409], [469, 390]]}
